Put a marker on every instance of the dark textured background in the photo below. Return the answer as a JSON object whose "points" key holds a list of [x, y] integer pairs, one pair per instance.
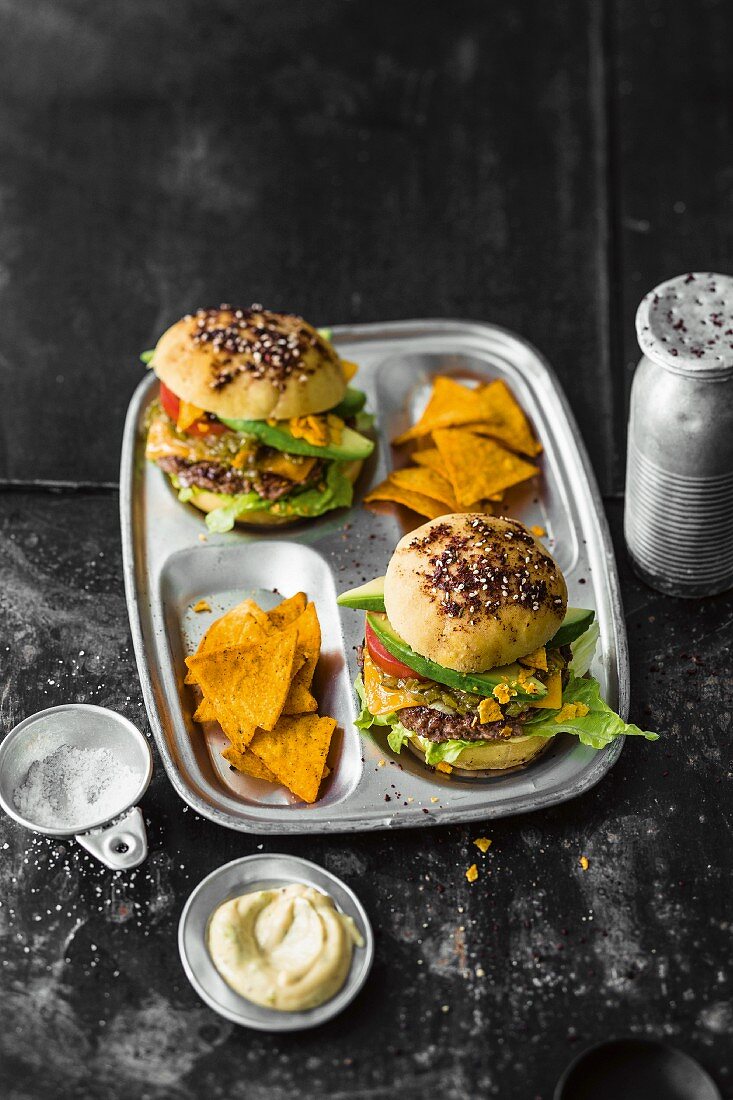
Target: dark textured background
{"points": [[537, 165]]}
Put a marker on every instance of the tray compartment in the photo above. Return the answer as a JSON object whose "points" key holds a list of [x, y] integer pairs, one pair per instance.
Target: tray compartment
{"points": [[403, 387], [265, 571]]}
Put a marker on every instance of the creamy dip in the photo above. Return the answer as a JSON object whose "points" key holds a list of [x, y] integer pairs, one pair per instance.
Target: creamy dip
{"points": [[288, 949]]}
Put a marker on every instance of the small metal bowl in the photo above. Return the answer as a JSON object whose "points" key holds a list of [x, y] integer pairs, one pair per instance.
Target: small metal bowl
{"points": [[262, 872], [118, 840]]}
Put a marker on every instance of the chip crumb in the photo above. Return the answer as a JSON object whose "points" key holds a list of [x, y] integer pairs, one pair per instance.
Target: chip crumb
{"points": [[503, 692], [381, 763], [441, 766], [584, 863], [201, 605], [537, 531], [434, 798], [203, 537], [472, 873], [410, 798], [571, 710], [482, 843]]}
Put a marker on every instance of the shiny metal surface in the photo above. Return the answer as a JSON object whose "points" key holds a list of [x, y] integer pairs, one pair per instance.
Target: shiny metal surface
{"points": [[168, 567], [247, 875], [678, 518], [119, 842]]}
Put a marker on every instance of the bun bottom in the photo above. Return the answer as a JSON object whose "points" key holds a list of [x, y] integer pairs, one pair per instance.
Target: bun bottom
{"points": [[208, 502], [491, 756]]}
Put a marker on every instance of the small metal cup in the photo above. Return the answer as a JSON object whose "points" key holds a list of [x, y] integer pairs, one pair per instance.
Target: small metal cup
{"points": [[119, 841]]}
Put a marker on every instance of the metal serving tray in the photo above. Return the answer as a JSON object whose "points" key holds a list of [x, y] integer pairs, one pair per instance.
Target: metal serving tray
{"points": [[170, 562]]}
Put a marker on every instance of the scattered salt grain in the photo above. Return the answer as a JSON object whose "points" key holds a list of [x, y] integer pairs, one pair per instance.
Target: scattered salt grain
{"points": [[71, 787]]}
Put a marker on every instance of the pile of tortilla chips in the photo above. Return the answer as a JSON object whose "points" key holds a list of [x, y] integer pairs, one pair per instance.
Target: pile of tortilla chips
{"points": [[254, 669], [471, 446]]}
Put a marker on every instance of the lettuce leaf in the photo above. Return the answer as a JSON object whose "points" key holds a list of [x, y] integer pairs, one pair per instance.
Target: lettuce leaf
{"points": [[597, 728], [223, 519], [583, 650], [444, 752], [337, 493], [397, 737]]}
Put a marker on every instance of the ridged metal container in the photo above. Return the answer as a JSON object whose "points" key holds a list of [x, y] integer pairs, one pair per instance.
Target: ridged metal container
{"points": [[679, 478]]}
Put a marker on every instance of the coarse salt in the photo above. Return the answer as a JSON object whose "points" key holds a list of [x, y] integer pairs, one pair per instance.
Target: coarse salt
{"points": [[71, 787]]}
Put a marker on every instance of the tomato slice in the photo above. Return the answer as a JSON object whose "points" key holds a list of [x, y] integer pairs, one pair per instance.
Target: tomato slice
{"points": [[384, 659], [203, 426], [169, 401]]}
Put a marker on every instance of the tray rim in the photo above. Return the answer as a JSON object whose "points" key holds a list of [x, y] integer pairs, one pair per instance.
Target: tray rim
{"points": [[537, 800]]}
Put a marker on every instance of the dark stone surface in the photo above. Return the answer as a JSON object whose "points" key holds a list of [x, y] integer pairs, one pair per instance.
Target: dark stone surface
{"points": [[360, 161], [671, 132], [537, 165], [94, 999]]}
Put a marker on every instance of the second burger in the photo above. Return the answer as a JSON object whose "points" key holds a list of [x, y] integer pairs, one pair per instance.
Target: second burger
{"points": [[471, 656], [256, 422]]}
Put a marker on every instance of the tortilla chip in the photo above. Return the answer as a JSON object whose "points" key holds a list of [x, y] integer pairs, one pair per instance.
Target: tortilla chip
{"points": [[492, 406], [427, 482], [489, 711], [244, 621], [506, 420], [288, 611], [479, 467], [204, 712], [300, 700], [238, 624], [237, 627], [432, 458], [248, 763], [295, 751], [247, 684], [450, 404], [418, 502], [536, 659]]}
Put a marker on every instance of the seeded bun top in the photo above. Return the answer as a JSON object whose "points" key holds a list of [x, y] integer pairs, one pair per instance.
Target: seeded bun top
{"points": [[249, 364], [473, 592]]}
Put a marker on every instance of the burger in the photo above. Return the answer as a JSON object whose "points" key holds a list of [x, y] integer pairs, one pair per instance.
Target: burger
{"points": [[471, 655], [255, 420]]}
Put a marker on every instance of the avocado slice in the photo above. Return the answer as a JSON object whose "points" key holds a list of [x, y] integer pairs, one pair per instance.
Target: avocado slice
{"points": [[576, 622], [478, 683], [367, 597], [350, 404], [352, 446]]}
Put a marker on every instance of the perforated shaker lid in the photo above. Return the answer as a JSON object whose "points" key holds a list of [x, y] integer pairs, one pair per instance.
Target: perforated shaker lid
{"points": [[686, 323]]}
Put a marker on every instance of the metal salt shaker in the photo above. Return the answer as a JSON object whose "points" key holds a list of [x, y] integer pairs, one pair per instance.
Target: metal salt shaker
{"points": [[678, 519]]}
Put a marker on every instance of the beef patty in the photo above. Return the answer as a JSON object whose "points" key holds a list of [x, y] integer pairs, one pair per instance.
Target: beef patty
{"points": [[436, 726], [217, 477]]}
